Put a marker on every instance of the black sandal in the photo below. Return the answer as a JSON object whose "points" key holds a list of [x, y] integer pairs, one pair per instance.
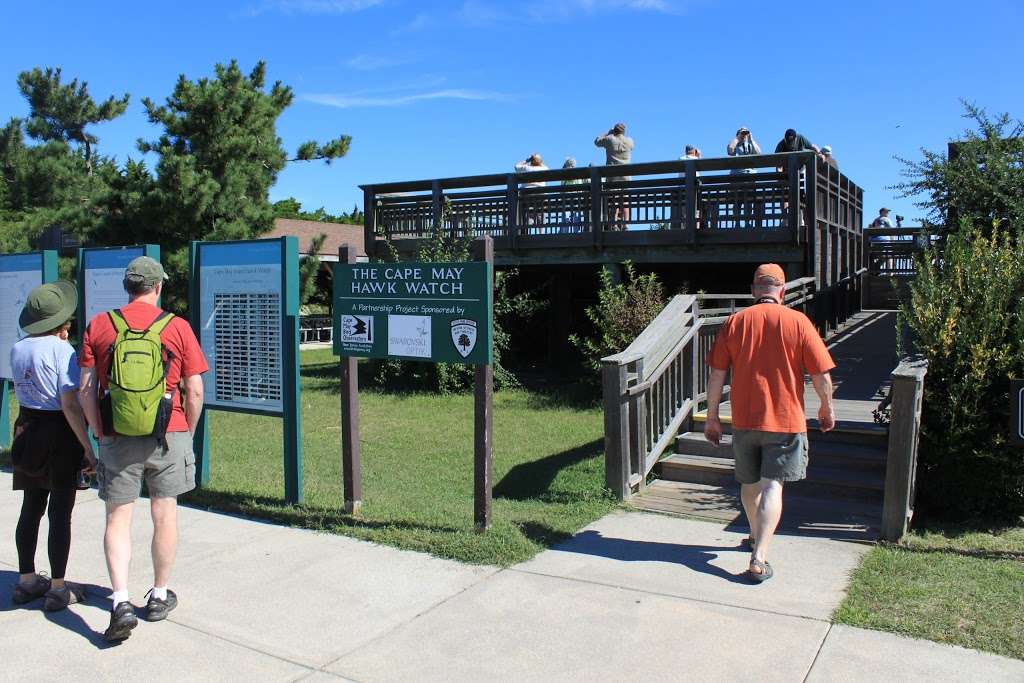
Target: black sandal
{"points": [[762, 576]]}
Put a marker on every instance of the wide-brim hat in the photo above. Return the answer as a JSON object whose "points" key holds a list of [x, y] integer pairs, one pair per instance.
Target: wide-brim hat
{"points": [[48, 306]]}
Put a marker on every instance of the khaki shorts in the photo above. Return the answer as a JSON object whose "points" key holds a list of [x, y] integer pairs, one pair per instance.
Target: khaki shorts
{"points": [[769, 455], [125, 461]]}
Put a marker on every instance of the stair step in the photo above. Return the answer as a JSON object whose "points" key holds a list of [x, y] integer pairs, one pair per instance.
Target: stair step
{"points": [[831, 453], [864, 433]]}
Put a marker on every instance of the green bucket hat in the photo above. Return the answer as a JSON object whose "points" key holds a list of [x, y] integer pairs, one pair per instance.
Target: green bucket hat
{"points": [[48, 307]]}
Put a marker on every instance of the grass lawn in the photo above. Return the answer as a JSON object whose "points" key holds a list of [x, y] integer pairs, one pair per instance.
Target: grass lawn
{"points": [[417, 460], [956, 587]]}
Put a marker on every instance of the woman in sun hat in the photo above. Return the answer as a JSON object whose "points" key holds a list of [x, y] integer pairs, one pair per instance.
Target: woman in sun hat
{"points": [[50, 440]]}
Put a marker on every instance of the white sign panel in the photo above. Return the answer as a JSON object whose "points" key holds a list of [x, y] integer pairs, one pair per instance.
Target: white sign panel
{"points": [[103, 279], [19, 275], [409, 335], [240, 306]]}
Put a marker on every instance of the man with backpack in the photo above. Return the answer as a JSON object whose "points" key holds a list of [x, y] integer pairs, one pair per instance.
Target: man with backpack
{"points": [[142, 393]]}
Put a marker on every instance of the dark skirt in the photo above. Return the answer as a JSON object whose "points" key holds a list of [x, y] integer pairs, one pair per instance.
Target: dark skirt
{"points": [[46, 453]]}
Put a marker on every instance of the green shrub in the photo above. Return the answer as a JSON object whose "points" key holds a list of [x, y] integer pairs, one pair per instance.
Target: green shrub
{"points": [[622, 312], [965, 315]]}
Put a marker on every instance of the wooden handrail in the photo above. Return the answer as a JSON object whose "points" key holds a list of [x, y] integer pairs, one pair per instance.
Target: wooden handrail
{"points": [[906, 394]]}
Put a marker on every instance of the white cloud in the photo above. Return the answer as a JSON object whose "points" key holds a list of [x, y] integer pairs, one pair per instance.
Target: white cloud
{"points": [[358, 100], [418, 23]]}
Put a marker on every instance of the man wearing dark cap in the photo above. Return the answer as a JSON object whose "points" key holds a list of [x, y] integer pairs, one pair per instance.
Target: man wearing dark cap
{"points": [[795, 142], [768, 347], [618, 149], [166, 464]]}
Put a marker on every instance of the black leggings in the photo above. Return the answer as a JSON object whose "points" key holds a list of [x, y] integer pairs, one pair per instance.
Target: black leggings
{"points": [[27, 534]]}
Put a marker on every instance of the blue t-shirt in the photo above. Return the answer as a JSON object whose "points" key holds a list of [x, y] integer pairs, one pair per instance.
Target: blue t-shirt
{"points": [[43, 369]]}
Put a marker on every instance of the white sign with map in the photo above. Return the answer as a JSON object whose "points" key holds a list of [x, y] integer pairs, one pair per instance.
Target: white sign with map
{"points": [[240, 324], [19, 275]]}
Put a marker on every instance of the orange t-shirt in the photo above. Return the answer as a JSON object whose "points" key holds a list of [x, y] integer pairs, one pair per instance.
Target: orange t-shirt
{"points": [[769, 347]]}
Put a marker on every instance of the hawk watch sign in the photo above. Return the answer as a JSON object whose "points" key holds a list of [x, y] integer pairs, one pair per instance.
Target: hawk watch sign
{"points": [[437, 312]]}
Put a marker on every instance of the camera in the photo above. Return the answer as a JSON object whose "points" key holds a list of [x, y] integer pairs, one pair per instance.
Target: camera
{"points": [[899, 221]]}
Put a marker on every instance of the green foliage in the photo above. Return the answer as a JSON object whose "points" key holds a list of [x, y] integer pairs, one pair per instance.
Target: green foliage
{"points": [[622, 312], [965, 314], [308, 269], [983, 184], [291, 208], [454, 377]]}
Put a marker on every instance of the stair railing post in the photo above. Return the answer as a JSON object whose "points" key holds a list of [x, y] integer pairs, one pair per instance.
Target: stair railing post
{"points": [[614, 381], [901, 463]]}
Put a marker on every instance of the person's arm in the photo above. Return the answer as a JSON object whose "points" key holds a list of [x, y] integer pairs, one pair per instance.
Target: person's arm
{"points": [[88, 397], [601, 141], [73, 413], [192, 389], [823, 388], [522, 166], [713, 424], [731, 147]]}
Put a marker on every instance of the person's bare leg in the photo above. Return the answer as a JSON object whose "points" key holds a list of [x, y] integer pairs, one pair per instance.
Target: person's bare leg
{"points": [[750, 494], [165, 538], [117, 544], [769, 511]]}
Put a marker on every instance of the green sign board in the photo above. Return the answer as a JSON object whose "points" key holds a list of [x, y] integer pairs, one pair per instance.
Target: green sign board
{"points": [[1017, 411], [436, 312]]}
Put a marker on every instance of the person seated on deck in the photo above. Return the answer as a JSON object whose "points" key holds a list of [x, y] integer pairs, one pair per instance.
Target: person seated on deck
{"points": [[573, 218], [534, 162], [826, 151]]}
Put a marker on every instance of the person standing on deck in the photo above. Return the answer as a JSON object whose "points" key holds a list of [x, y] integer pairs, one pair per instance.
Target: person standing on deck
{"points": [[618, 150], [795, 142], [768, 347], [534, 162], [742, 145], [826, 152]]}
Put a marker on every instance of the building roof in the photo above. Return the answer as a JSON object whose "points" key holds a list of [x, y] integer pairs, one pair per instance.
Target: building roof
{"points": [[306, 232]]}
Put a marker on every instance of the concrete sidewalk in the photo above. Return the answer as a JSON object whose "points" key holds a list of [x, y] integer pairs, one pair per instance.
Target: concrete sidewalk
{"points": [[631, 597]]}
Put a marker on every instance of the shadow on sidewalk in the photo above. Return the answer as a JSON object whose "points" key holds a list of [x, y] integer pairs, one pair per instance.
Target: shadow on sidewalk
{"points": [[695, 557], [96, 597]]}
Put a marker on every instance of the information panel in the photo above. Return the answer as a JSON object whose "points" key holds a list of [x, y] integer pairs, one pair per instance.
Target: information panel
{"points": [[102, 278], [438, 312], [241, 323], [19, 275]]}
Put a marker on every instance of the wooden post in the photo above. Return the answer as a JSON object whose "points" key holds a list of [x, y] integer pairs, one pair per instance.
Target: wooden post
{"points": [[692, 198], [437, 205], [901, 465], [512, 198], [351, 457], [483, 423], [369, 220], [596, 230], [616, 428]]}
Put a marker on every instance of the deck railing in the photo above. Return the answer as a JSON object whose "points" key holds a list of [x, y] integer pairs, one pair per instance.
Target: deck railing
{"points": [[762, 198], [652, 389]]}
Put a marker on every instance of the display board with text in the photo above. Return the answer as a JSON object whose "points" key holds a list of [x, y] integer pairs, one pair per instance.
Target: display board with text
{"points": [[437, 312], [101, 277], [244, 308]]}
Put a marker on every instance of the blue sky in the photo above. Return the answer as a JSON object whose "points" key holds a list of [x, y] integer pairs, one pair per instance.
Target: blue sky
{"points": [[436, 89]]}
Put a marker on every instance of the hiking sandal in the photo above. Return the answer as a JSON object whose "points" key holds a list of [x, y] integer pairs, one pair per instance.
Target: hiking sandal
{"points": [[762, 576]]}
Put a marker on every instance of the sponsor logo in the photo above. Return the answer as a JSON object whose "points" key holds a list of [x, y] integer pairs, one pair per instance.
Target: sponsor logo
{"points": [[357, 329], [464, 336], [409, 335]]}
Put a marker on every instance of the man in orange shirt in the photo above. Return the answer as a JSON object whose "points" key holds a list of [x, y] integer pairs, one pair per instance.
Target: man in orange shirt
{"points": [[768, 347]]}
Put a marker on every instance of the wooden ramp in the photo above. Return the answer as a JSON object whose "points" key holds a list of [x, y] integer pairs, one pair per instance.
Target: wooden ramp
{"points": [[842, 495]]}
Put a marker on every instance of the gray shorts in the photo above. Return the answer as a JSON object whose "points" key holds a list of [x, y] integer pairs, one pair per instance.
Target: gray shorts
{"points": [[769, 455], [125, 461]]}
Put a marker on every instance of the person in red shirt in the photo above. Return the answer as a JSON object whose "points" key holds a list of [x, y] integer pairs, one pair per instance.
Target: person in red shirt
{"points": [[167, 465], [768, 347]]}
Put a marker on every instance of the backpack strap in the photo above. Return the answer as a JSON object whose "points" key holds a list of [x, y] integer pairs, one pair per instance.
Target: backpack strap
{"points": [[161, 322], [117, 319]]}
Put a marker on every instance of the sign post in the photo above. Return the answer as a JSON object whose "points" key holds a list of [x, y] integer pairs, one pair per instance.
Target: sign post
{"points": [[101, 278], [19, 275], [1017, 412], [244, 308], [432, 312]]}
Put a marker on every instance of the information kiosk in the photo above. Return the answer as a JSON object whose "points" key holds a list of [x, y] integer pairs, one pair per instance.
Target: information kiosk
{"points": [[19, 275], [244, 308], [101, 278]]}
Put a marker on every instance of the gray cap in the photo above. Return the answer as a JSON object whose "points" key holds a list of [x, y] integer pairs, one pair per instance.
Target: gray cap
{"points": [[144, 270]]}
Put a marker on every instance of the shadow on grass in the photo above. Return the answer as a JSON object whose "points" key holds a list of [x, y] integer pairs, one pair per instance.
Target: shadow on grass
{"points": [[542, 534], [278, 511], [531, 480]]}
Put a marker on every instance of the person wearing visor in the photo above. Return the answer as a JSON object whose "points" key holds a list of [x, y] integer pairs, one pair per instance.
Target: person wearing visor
{"points": [[51, 445]]}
